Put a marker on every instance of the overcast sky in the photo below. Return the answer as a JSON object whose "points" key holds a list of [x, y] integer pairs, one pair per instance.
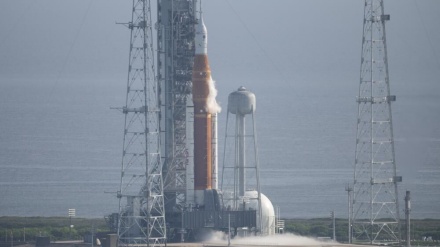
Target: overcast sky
{"points": [[284, 44], [296, 47], [283, 40]]}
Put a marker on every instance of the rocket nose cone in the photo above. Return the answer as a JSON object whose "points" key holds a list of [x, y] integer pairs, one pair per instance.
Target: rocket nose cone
{"points": [[200, 26], [201, 37]]}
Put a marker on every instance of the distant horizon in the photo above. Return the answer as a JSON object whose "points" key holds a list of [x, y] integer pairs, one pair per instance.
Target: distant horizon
{"points": [[61, 71]]}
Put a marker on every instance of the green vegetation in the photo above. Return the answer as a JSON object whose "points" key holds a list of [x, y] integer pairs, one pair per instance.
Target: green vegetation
{"points": [[322, 227], [57, 228]]}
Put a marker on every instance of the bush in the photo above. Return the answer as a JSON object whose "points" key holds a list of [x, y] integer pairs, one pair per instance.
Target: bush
{"points": [[57, 228]]}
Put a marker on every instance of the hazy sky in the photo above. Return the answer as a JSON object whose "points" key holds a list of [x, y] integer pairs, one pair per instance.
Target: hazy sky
{"points": [[282, 43], [282, 40], [293, 46], [296, 47]]}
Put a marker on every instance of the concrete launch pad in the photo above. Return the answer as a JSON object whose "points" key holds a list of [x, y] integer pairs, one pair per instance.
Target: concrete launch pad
{"points": [[286, 240], [208, 244]]}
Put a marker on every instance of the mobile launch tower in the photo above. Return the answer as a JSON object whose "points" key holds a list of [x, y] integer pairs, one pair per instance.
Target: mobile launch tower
{"points": [[375, 215], [175, 38]]}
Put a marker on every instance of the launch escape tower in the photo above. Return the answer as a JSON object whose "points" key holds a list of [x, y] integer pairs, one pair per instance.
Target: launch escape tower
{"points": [[141, 200], [375, 214], [175, 38]]}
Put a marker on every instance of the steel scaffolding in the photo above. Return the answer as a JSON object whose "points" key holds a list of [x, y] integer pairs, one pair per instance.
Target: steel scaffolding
{"points": [[141, 201], [375, 214], [175, 35]]}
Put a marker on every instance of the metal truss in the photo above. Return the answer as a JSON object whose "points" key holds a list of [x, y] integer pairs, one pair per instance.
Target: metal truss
{"points": [[176, 19], [375, 214], [141, 201]]}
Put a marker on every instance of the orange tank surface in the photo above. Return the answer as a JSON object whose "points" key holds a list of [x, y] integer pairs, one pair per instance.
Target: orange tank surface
{"points": [[202, 123]]}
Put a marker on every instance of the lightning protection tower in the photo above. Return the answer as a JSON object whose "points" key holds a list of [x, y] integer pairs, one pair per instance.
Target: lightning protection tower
{"points": [[141, 201], [375, 214]]}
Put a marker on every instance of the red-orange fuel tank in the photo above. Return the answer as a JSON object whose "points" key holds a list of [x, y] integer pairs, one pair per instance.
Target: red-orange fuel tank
{"points": [[202, 123]]}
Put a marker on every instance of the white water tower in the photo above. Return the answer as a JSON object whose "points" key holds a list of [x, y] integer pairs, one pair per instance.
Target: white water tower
{"points": [[240, 176]]}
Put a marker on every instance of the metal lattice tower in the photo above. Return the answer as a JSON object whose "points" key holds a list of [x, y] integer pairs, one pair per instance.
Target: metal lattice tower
{"points": [[375, 214], [141, 201], [175, 34]]}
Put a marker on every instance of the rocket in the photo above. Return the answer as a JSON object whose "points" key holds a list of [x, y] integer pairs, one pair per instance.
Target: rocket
{"points": [[205, 110]]}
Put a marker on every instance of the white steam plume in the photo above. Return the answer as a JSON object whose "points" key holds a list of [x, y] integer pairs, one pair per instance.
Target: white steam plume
{"points": [[287, 239], [211, 105], [280, 239], [215, 237]]}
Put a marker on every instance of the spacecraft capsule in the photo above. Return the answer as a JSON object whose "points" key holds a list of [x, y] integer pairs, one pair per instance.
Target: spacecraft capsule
{"points": [[201, 38]]}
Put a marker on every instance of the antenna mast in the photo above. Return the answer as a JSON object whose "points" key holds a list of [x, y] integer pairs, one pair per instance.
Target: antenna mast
{"points": [[375, 214]]}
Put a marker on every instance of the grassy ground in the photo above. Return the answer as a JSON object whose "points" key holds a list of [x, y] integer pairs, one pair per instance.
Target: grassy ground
{"points": [[323, 228], [57, 228]]}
